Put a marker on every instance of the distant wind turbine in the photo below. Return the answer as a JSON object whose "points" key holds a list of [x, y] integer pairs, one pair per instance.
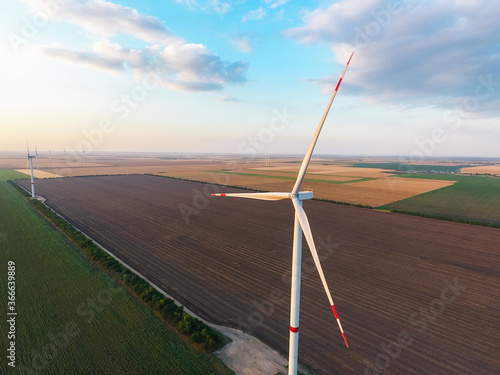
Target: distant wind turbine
{"points": [[36, 156], [30, 160], [301, 224]]}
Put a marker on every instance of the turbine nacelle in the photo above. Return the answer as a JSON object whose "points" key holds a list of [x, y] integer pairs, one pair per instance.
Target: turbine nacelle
{"points": [[303, 195]]}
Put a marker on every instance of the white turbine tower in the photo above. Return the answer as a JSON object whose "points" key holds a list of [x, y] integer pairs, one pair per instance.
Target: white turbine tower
{"points": [[301, 225], [30, 160]]}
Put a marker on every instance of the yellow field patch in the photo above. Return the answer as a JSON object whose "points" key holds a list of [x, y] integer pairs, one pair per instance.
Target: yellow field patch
{"points": [[377, 192], [353, 171], [493, 169], [38, 173]]}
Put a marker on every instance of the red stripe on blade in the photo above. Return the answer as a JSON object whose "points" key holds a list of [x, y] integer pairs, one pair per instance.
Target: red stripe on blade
{"points": [[343, 334], [350, 58], [335, 311], [338, 84], [294, 330]]}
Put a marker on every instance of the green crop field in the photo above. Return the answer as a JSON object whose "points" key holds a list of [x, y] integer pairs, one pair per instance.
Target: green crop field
{"points": [[6, 175], [411, 167], [72, 318], [473, 198]]}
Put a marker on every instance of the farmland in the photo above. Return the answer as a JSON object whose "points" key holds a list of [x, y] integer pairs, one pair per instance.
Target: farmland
{"points": [[405, 287], [71, 316], [340, 183], [474, 198], [351, 182]]}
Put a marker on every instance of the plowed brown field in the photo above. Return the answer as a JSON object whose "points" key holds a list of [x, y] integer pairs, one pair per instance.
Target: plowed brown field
{"points": [[430, 285]]}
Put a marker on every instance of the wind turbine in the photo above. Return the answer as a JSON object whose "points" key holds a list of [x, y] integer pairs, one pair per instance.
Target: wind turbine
{"points": [[30, 160], [301, 225]]}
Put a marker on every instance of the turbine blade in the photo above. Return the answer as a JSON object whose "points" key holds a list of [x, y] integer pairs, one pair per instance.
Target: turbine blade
{"points": [[260, 196], [307, 157], [306, 229]]}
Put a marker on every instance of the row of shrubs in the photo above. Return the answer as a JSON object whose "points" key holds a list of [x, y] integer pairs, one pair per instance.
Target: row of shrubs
{"points": [[447, 218], [344, 203], [198, 331]]}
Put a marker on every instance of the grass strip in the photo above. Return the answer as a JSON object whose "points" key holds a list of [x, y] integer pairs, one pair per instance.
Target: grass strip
{"points": [[7, 175]]}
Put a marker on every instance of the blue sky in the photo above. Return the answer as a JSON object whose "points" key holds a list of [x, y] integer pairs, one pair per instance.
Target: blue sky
{"points": [[251, 77]]}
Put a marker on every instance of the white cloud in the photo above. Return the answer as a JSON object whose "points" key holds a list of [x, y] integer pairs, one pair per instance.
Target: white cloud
{"points": [[187, 67], [104, 55], [335, 22], [418, 53], [197, 69], [221, 7], [183, 67], [276, 3], [106, 18], [256, 14], [243, 43], [90, 59], [227, 98], [218, 6]]}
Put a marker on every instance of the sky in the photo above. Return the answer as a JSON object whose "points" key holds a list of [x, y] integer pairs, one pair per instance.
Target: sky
{"points": [[251, 77]]}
